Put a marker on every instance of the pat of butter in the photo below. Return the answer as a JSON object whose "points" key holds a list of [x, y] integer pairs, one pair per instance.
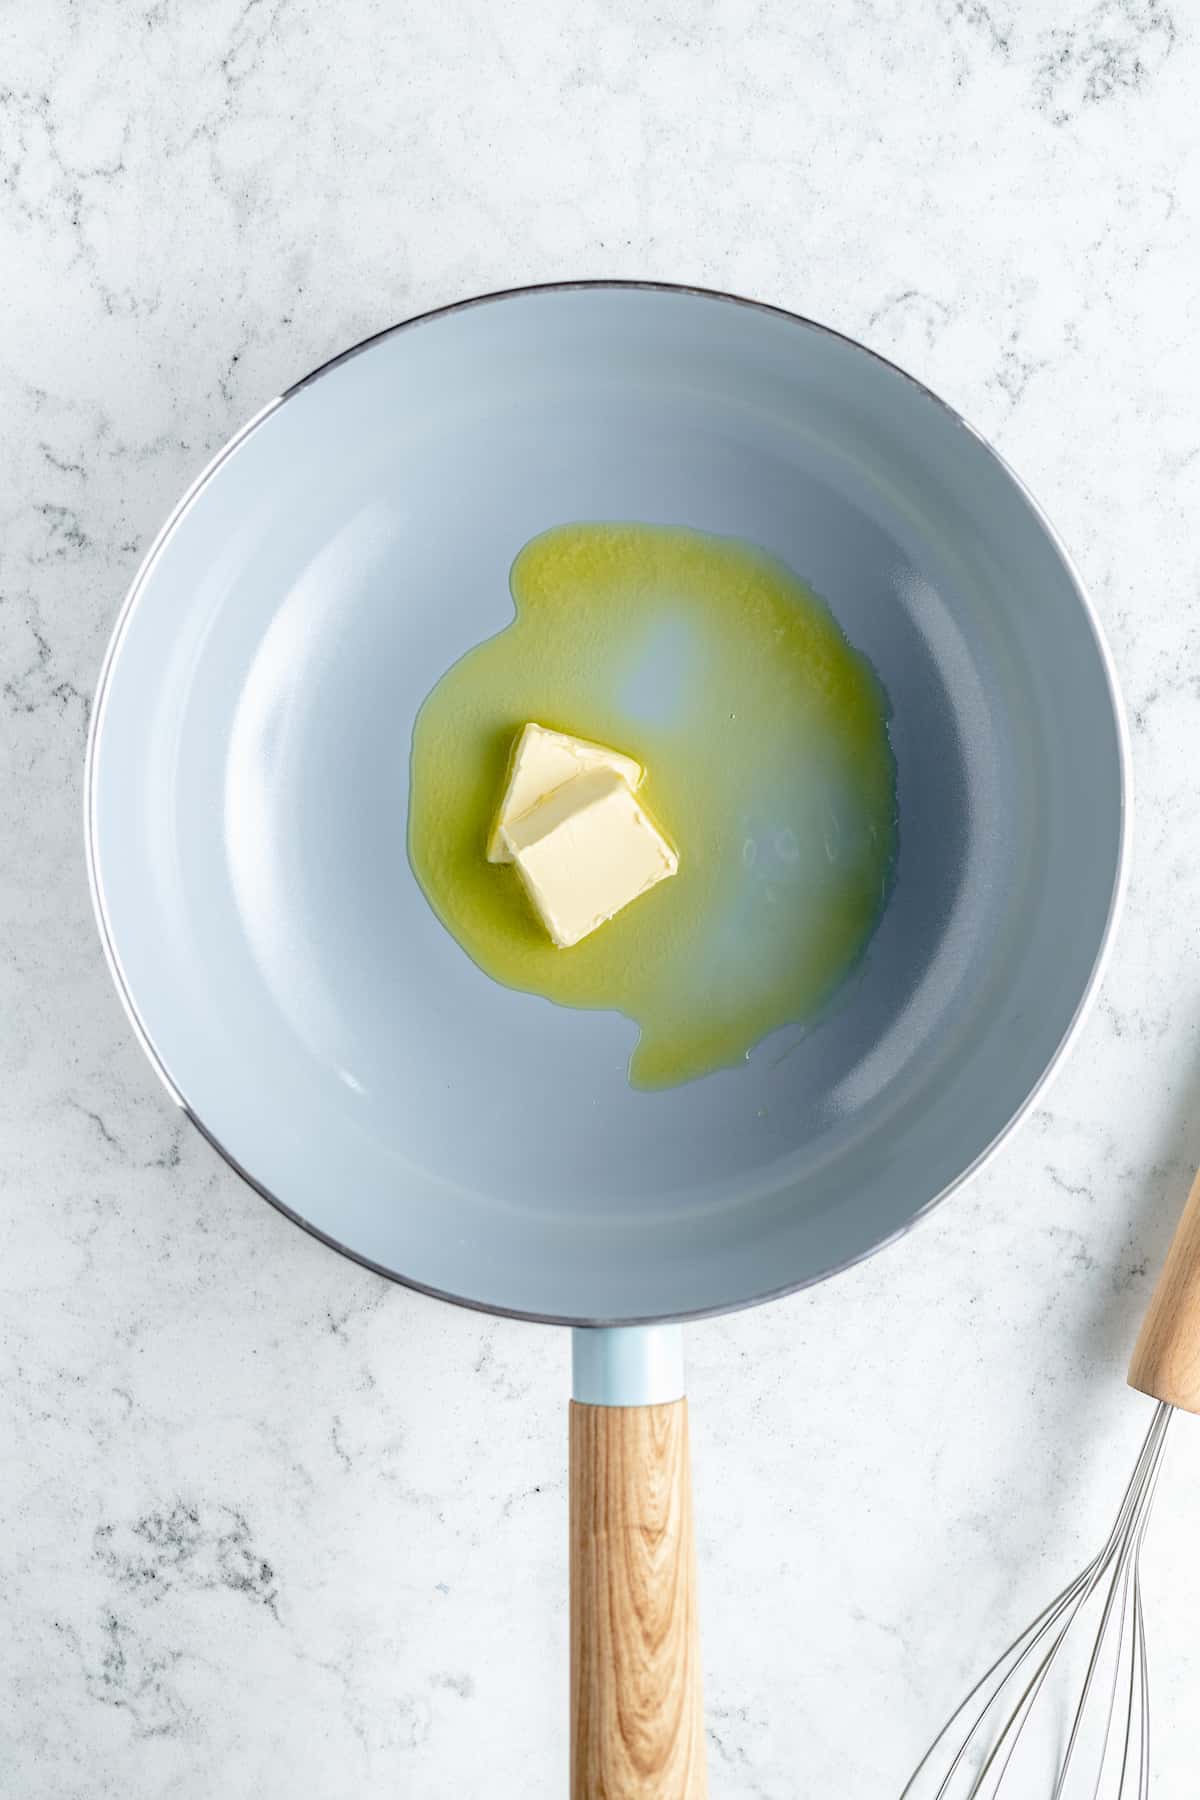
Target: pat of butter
{"points": [[585, 851], [543, 760]]}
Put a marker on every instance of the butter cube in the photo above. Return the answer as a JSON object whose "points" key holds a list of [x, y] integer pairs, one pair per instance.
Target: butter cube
{"points": [[543, 760], [585, 851]]}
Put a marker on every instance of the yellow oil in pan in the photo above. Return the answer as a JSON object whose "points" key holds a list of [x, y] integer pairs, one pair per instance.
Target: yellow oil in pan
{"points": [[764, 737]]}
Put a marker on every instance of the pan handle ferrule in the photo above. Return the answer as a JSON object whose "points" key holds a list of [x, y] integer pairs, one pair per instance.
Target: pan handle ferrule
{"points": [[627, 1365]]}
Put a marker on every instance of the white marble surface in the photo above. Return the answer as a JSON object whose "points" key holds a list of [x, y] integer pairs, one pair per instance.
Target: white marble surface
{"points": [[270, 1527]]}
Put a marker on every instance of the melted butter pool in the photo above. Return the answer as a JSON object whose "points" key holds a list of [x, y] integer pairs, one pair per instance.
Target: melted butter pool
{"points": [[764, 738]]}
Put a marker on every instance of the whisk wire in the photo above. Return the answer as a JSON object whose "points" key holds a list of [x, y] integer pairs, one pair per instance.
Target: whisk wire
{"points": [[1137, 1710], [1043, 1639], [1113, 1689]]}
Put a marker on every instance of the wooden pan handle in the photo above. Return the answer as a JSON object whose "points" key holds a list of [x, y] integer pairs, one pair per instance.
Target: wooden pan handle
{"points": [[1166, 1357], [637, 1717]]}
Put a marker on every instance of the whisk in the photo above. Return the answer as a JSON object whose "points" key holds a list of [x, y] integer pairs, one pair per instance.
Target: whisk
{"points": [[1065, 1709]]}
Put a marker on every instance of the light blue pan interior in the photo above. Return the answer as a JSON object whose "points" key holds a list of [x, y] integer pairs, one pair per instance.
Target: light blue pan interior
{"points": [[249, 787]]}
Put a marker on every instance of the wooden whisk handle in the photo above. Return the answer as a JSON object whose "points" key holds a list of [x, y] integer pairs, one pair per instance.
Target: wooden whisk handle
{"points": [[1166, 1357]]}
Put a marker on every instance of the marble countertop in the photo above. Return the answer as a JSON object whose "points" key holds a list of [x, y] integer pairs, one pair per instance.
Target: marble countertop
{"points": [[270, 1526]]}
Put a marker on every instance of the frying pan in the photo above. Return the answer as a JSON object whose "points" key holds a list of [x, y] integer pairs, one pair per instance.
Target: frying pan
{"points": [[246, 799]]}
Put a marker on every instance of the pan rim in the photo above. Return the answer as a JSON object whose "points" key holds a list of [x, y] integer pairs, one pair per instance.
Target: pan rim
{"points": [[141, 579]]}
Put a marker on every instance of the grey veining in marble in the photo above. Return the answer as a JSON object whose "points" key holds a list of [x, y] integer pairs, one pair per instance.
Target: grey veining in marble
{"points": [[269, 1527]]}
